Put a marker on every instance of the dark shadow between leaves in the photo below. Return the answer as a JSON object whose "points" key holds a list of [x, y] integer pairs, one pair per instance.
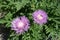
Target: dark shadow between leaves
{"points": [[4, 32]]}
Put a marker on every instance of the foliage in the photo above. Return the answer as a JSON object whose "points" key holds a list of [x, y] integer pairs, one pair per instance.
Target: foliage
{"points": [[14, 8]]}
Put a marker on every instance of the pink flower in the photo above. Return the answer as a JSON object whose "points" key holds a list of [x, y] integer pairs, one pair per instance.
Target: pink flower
{"points": [[20, 24], [40, 17]]}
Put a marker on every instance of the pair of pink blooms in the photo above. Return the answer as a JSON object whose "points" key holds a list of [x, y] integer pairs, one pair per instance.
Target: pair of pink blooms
{"points": [[22, 24]]}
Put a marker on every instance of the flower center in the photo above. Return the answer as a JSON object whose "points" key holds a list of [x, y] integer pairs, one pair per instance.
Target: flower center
{"points": [[20, 24], [40, 17]]}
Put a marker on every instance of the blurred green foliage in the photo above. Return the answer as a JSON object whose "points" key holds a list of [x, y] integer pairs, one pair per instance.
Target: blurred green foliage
{"points": [[48, 31]]}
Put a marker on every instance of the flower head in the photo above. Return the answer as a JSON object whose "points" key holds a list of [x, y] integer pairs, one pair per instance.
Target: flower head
{"points": [[20, 24], [40, 17]]}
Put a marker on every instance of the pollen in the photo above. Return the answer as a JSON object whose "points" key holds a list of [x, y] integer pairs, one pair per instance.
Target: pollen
{"points": [[39, 17], [20, 24]]}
